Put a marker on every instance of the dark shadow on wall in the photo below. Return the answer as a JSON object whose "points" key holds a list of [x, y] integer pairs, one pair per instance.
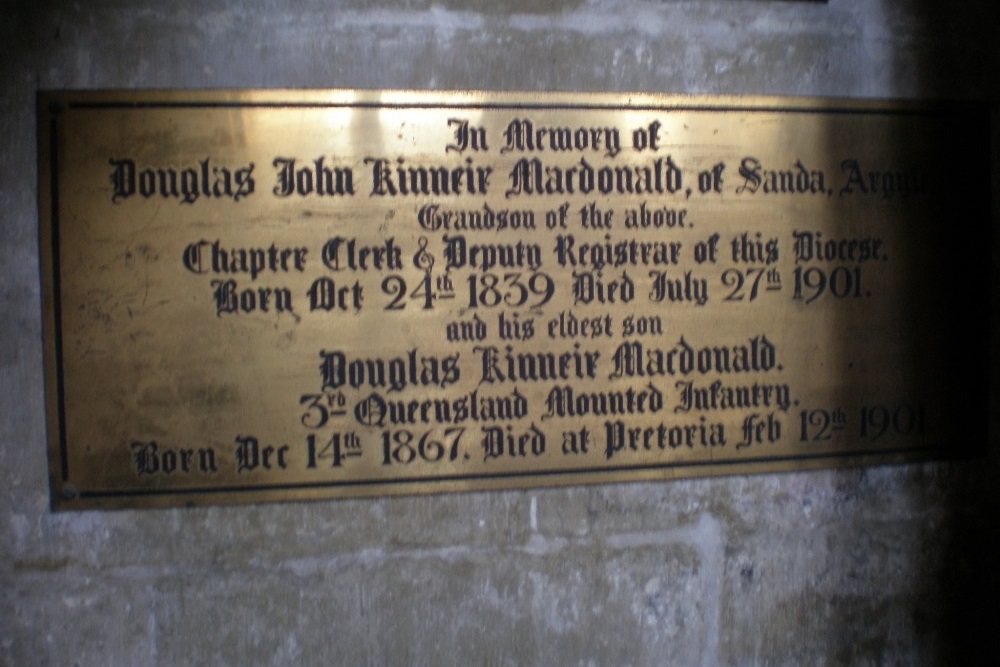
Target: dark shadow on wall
{"points": [[969, 572], [958, 592], [936, 604]]}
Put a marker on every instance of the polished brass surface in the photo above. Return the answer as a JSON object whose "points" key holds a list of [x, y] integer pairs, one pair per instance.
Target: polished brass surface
{"points": [[278, 295]]}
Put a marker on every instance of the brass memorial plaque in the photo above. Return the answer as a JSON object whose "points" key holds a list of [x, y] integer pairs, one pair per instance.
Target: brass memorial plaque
{"points": [[264, 295]]}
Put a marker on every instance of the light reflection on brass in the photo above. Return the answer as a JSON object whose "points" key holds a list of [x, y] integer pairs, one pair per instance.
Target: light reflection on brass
{"points": [[278, 295]]}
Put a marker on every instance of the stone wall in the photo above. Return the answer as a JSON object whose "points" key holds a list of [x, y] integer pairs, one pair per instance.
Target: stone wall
{"points": [[879, 566]]}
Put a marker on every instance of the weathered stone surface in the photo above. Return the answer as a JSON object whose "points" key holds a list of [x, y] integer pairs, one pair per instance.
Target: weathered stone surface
{"points": [[879, 566]]}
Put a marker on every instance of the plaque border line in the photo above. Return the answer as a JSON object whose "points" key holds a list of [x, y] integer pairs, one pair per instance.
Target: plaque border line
{"points": [[305, 486], [57, 292], [925, 111]]}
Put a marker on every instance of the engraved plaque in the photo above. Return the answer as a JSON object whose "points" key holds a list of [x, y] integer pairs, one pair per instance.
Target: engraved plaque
{"points": [[263, 295]]}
